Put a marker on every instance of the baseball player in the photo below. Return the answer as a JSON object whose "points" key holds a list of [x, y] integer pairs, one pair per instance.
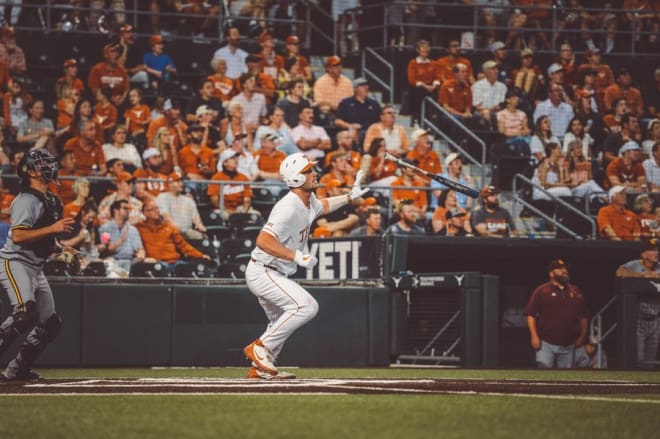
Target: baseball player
{"points": [[36, 216], [282, 246]]}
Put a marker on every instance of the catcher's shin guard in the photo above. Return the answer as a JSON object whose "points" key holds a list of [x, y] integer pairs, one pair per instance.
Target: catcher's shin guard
{"points": [[34, 345], [22, 320]]}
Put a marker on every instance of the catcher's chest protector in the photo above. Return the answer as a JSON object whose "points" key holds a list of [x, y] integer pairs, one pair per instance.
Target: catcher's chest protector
{"points": [[52, 213]]}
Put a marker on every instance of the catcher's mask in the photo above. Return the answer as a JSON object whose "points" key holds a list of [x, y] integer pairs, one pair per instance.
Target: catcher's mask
{"points": [[41, 161]]}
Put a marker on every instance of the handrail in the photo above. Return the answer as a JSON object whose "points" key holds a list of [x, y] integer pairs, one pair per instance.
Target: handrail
{"points": [[596, 330], [389, 87], [557, 200], [318, 30], [460, 124]]}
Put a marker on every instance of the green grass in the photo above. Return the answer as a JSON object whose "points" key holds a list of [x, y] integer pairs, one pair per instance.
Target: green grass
{"points": [[334, 416]]}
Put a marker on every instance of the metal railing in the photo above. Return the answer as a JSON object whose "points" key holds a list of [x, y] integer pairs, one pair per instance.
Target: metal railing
{"points": [[596, 334], [428, 352], [388, 86], [517, 198]]}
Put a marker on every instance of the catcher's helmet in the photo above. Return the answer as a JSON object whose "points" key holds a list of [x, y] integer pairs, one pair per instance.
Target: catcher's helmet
{"points": [[39, 160], [292, 168]]}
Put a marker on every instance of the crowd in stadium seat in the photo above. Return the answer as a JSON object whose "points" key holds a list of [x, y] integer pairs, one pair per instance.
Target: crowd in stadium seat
{"points": [[129, 141]]}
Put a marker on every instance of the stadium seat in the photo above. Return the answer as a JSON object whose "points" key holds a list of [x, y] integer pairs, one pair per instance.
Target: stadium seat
{"points": [[197, 268], [248, 232], [95, 269], [231, 270], [239, 220], [149, 269], [218, 232]]}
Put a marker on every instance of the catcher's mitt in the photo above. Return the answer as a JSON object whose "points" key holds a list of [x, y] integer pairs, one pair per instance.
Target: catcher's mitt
{"points": [[72, 259]]}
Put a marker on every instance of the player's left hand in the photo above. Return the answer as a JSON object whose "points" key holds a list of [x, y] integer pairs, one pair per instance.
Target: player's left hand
{"points": [[357, 191]]}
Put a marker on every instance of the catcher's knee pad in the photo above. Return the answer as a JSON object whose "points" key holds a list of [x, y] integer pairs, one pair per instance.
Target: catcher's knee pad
{"points": [[50, 329], [25, 317]]}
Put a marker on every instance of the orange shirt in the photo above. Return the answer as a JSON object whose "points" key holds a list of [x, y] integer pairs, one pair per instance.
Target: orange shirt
{"points": [[445, 67], [163, 122], [623, 221], [417, 195], [223, 88], [322, 192], [429, 162], [610, 121], [189, 161], [85, 157], [618, 168], [152, 187], [424, 71], [105, 115], [632, 96], [105, 75], [65, 189], [71, 210], [389, 168], [455, 95], [138, 118], [76, 84], [269, 162], [354, 158], [5, 204], [233, 194], [273, 68], [162, 241], [64, 119]]}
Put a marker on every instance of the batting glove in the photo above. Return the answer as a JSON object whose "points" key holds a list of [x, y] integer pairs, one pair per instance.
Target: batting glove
{"points": [[305, 261], [357, 191]]}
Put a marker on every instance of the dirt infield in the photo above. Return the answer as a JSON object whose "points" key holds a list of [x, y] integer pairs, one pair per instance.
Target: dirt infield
{"points": [[325, 386]]}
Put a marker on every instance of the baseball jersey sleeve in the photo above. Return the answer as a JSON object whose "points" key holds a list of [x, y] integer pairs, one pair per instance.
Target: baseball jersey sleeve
{"points": [[25, 211], [316, 206], [277, 222]]}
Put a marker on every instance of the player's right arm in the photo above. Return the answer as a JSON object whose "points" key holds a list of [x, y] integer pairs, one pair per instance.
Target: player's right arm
{"points": [[271, 245], [22, 234]]}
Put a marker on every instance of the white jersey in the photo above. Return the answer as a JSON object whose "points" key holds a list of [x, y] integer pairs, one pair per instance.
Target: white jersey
{"points": [[289, 222]]}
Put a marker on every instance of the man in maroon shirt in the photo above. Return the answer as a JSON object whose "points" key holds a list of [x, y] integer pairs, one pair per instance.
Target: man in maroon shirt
{"points": [[557, 319]]}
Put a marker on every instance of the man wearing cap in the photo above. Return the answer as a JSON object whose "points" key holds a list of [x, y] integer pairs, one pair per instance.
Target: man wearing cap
{"points": [[504, 67], [358, 112], [492, 220], [180, 209], [559, 112], [205, 98], [247, 164], [423, 153], [292, 50], [455, 94], [445, 64], [235, 197], [125, 184], [268, 160], [395, 135], [603, 78], [108, 73], [340, 170], [453, 171], [648, 317], [153, 183], [234, 55], [615, 222], [271, 62], [332, 87], [556, 74], [253, 103], [457, 223], [623, 89], [211, 138], [89, 154], [529, 76], [70, 79], [407, 179], [171, 119], [488, 93], [343, 220], [263, 83], [158, 64], [627, 169], [197, 160], [557, 319], [310, 139]]}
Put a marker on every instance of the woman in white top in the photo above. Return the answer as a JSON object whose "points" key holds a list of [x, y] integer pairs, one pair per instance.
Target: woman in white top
{"points": [[576, 131], [579, 172], [552, 174], [541, 138], [119, 149]]}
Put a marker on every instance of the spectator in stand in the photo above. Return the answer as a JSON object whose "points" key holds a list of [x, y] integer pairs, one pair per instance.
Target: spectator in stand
{"points": [[488, 94], [119, 149], [552, 174], [162, 240], [80, 191], [627, 170], [235, 124], [36, 130], [180, 209], [340, 170], [125, 185], [577, 131], [171, 119], [164, 144], [309, 138], [643, 208], [624, 89], [15, 101], [453, 171], [65, 108], [234, 55], [557, 319], [158, 65], [541, 138], [332, 87], [206, 97], [224, 87], [407, 224], [580, 177], [455, 95], [70, 79], [409, 179], [615, 222], [263, 83], [211, 138], [441, 224], [652, 137], [592, 121], [648, 315], [556, 79], [422, 151], [128, 55], [105, 114], [423, 78], [153, 173], [373, 224], [586, 89], [512, 123], [137, 117], [614, 120], [68, 168], [380, 171], [652, 168], [294, 102], [292, 51], [559, 112], [197, 160], [445, 65], [90, 158], [630, 131], [290, 72], [348, 146], [235, 197], [529, 77], [271, 62], [85, 234], [247, 164], [358, 112], [82, 112], [341, 221], [125, 245], [395, 135], [603, 78], [566, 60], [492, 220], [504, 66], [268, 160], [252, 103], [280, 129], [642, 17], [108, 73], [15, 57]]}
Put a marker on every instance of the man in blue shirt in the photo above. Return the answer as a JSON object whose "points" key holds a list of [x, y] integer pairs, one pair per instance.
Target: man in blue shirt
{"points": [[158, 65], [358, 112]]}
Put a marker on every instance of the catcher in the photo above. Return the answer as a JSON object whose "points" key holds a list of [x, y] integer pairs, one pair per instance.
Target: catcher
{"points": [[36, 216]]}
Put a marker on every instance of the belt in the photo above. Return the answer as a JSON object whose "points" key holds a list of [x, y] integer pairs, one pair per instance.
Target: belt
{"points": [[270, 267]]}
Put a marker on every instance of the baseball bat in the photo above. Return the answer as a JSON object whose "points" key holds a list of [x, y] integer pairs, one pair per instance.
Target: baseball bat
{"points": [[454, 185]]}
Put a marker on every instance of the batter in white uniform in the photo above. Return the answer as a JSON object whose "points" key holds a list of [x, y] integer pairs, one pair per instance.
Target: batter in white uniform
{"points": [[281, 247]]}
